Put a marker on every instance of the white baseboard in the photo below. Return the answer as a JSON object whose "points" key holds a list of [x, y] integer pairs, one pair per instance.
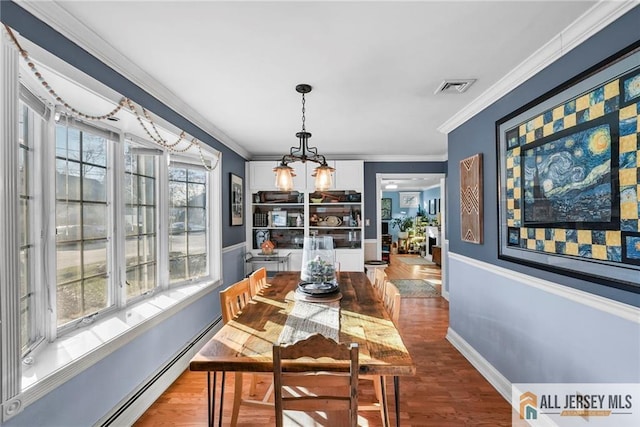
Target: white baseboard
{"points": [[135, 404], [486, 369]]}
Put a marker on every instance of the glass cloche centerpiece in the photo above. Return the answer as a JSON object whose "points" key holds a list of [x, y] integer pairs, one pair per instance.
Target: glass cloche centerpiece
{"points": [[318, 273]]}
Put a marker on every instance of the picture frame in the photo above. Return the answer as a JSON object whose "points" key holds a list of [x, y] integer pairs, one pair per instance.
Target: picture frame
{"points": [[279, 218], [385, 209], [259, 237], [568, 177], [409, 199], [236, 190]]}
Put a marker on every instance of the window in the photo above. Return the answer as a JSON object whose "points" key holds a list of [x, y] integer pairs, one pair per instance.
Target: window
{"points": [[140, 222], [187, 222], [82, 225], [29, 124]]}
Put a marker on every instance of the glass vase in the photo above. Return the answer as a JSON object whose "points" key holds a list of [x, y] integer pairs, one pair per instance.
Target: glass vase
{"points": [[318, 260]]}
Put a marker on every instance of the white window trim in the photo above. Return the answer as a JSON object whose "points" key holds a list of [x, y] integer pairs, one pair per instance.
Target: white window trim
{"points": [[9, 253]]}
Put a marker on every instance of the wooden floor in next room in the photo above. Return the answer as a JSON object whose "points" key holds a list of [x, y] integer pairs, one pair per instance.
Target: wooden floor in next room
{"points": [[446, 391]]}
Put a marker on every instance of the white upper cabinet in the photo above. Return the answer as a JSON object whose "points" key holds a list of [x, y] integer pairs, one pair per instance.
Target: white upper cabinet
{"points": [[349, 175], [262, 176]]}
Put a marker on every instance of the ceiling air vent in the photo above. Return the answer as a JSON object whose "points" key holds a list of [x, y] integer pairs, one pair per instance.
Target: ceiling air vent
{"points": [[454, 86]]}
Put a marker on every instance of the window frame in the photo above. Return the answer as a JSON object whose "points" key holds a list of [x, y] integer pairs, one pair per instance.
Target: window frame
{"points": [[113, 303], [183, 161], [140, 144], [37, 115]]}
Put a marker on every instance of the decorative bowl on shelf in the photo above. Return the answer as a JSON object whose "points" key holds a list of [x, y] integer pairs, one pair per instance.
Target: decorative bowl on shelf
{"points": [[332, 221], [315, 200]]}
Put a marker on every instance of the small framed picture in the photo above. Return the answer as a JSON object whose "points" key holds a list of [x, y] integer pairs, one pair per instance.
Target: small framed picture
{"points": [[236, 191], [259, 237], [432, 207], [409, 199], [279, 218], [386, 208]]}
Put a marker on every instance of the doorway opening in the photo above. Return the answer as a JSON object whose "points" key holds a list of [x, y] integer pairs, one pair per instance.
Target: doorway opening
{"points": [[409, 195]]}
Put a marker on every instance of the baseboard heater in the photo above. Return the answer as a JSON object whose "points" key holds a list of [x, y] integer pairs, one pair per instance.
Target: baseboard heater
{"points": [[135, 396]]}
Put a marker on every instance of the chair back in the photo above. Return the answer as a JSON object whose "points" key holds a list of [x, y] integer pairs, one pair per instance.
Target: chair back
{"points": [[234, 298], [392, 301], [258, 281], [328, 386], [380, 282]]}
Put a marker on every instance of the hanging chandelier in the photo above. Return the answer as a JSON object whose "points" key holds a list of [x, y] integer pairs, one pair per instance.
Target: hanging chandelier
{"points": [[303, 153]]}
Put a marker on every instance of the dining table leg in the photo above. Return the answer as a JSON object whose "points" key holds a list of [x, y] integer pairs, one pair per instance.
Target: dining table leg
{"points": [[224, 376], [385, 404], [396, 393], [211, 398]]}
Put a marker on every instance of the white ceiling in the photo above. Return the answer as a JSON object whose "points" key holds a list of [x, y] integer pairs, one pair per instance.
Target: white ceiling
{"points": [[374, 66]]}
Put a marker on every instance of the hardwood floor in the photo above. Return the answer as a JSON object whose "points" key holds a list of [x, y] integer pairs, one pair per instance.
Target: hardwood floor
{"points": [[446, 391]]}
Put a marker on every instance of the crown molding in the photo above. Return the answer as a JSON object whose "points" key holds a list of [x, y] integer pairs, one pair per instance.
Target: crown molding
{"points": [[77, 32], [369, 157], [592, 21]]}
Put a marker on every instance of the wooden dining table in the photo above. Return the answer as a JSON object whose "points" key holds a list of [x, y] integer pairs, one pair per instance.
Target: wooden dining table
{"points": [[245, 343]]}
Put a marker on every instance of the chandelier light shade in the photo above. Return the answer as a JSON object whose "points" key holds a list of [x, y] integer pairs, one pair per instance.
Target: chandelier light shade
{"points": [[284, 177], [303, 153], [324, 177]]}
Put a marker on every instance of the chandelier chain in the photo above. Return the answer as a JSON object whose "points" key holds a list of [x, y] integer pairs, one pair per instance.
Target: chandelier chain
{"points": [[303, 111]]}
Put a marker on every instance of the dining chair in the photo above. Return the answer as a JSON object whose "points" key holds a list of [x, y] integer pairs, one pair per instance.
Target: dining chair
{"points": [[322, 385], [380, 282], [392, 301], [232, 300], [258, 281]]}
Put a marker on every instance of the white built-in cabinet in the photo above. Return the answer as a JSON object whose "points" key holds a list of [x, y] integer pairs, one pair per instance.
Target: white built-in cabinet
{"points": [[349, 175], [341, 211]]}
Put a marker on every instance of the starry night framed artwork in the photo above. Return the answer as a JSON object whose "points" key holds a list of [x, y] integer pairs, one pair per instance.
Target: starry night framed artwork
{"points": [[569, 177]]}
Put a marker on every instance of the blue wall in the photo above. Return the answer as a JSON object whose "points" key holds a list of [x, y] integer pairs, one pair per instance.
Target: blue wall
{"points": [[233, 265], [370, 196], [430, 194], [528, 333]]}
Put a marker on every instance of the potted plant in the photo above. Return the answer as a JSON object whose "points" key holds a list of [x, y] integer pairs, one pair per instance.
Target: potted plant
{"points": [[404, 224]]}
